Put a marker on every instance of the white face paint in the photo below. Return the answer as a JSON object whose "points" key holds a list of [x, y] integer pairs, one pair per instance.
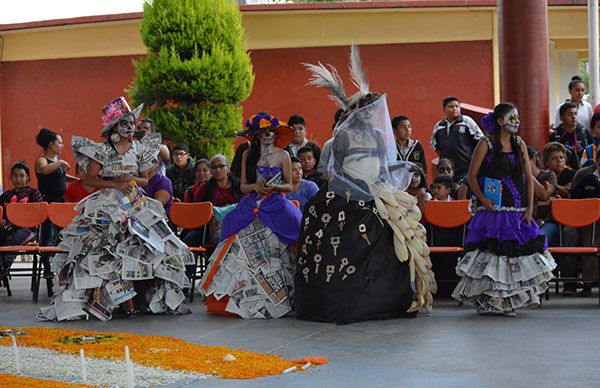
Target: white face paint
{"points": [[266, 138], [125, 126], [511, 121]]}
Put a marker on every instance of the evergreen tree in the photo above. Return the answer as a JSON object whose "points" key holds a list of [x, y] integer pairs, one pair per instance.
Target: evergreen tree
{"points": [[196, 74]]}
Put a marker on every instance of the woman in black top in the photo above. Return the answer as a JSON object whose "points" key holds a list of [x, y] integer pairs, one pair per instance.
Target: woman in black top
{"points": [[51, 173]]}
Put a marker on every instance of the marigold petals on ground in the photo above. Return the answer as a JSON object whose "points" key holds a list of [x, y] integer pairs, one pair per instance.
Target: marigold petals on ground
{"points": [[155, 351], [12, 381]]}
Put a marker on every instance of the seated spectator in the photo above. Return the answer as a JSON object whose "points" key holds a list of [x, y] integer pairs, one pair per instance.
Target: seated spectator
{"points": [[159, 187], [222, 188], [298, 125], [76, 191], [408, 149], [202, 174], [20, 193], [589, 155], [571, 134], [146, 126], [446, 167], [302, 189], [441, 187], [418, 188], [307, 158], [588, 187], [181, 173], [554, 156]]}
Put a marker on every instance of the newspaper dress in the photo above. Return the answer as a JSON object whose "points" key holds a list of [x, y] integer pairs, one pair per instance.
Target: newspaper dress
{"points": [[115, 240], [251, 272], [506, 264]]}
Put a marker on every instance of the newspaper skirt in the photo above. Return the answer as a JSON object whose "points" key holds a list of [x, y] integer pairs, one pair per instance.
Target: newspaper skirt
{"points": [[114, 242], [250, 275], [506, 265]]}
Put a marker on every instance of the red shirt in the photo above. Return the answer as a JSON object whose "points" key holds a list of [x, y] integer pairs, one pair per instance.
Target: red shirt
{"points": [[76, 192], [221, 196]]}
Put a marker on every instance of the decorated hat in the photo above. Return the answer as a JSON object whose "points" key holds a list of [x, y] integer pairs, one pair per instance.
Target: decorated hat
{"points": [[115, 111], [262, 121]]}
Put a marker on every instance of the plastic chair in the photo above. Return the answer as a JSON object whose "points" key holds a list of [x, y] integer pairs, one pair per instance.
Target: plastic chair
{"points": [[576, 213], [193, 216], [445, 217], [61, 214], [447, 214], [31, 216]]}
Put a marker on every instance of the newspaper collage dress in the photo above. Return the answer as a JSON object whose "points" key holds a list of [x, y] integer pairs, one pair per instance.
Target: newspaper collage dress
{"points": [[115, 240], [252, 269], [506, 265]]}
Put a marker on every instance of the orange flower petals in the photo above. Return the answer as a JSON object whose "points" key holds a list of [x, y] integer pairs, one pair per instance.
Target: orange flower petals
{"points": [[164, 352], [12, 381]]}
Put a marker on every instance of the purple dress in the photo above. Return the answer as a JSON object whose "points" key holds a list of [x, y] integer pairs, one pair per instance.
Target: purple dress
{"points": [[506, 264], [256, 272]]}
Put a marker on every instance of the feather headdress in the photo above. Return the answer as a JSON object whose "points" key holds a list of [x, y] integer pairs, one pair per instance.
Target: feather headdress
{"points": [[329, 78]]}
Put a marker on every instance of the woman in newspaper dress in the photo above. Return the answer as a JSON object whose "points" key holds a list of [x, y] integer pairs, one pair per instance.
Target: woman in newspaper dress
{"points": [[251, 271], [506, 264], [353, 262], [120, 249]]}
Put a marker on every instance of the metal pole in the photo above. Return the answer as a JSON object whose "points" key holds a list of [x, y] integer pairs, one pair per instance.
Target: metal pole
{"points": [[594, 61]]}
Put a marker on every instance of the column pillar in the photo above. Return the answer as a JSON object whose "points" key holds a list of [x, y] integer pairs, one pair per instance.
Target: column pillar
{"points": [[523, 47]]}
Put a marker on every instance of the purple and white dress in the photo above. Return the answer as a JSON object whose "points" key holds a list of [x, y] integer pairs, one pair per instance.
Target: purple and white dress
{"points": [[506, 264]]}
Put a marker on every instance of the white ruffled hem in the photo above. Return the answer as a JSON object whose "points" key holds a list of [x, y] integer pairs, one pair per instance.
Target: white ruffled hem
{"points": [[499, 283]]}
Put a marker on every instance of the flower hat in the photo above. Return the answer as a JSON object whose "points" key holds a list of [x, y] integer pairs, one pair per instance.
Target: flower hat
{"points": [[115, 111], [262, 121]]}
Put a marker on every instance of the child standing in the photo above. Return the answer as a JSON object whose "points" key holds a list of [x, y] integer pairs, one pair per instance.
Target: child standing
{"points": [[506, 264], [408, 149]]}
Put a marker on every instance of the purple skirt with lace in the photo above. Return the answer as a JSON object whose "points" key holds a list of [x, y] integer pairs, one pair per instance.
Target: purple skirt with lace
{"points": [[504, 233]]}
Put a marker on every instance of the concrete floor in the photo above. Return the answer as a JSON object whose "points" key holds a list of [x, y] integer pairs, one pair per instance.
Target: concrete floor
{"points": [[452, 347]]}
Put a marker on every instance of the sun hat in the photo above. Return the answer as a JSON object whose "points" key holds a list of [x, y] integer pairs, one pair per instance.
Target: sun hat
{"points": [[115, 110], [263, 121]]}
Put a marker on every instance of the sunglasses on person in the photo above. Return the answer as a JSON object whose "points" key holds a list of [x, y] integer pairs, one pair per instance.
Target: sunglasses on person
{"points": [[218, 166]]}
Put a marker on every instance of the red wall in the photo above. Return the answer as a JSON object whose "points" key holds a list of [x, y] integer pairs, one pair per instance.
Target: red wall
{"points": [[68, 94]]}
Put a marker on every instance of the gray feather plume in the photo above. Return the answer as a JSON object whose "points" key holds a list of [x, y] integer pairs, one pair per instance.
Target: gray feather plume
{"points": [[330, 79], [356, 71]]}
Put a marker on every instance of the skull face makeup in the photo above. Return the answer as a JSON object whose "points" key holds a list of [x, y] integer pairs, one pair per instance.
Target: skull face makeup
{"points": [[125, 126], [266, 138], [511, 121]]}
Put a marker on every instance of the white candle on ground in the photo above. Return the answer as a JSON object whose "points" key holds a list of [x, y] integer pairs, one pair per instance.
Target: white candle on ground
{"points": [[129, 369], [83, 366], [16, 352]]}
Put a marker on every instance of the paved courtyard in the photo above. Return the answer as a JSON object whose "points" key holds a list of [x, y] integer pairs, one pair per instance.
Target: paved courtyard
{"points": [[555, 345]]}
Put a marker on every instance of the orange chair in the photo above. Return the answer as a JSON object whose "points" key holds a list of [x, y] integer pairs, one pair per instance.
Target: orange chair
{"points": [[442, 216], [447, 214], [26, 215], [61, 214], [576, 213], [193, 216]]}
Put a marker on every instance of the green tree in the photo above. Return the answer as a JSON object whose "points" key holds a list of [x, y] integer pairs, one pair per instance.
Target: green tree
{"points": [[196, 73]]}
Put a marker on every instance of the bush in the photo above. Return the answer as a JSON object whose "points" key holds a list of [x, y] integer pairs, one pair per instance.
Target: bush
{"points": [[196, 73]]}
